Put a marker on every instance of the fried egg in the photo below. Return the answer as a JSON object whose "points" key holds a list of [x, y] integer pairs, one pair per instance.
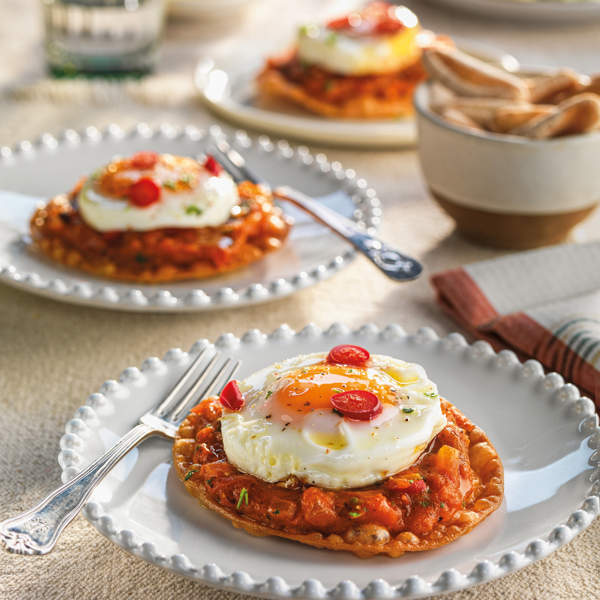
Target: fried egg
{"points": [[347, 53], [288, 427], [205, 200]]}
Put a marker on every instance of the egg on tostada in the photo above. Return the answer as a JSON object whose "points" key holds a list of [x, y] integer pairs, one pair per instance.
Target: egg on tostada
{"points": [[159, 217], [363, 65], [340, 450]]}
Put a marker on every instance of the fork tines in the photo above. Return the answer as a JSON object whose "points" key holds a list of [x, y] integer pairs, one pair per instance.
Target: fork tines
{"points": [[207, 373]]}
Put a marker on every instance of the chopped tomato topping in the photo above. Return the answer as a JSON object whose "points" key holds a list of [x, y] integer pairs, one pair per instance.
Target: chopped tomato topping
{"points": [[347, 354], [318, 507], [212, 166], [144, 192], [417, 487], [417, 499], [361, 405], [144, 160], [231, 397], [378, 509]]}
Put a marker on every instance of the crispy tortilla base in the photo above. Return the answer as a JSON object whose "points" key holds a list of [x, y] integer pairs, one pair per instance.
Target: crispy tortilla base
{"points": [[271, 82], [484, 461]]}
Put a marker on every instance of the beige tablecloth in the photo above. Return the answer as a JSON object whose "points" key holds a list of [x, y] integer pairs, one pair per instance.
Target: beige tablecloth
{"points": [[53, 355]]}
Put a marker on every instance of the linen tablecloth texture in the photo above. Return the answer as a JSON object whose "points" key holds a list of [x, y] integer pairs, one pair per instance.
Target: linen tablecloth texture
{"points": [[52, 355], [544, 304]]}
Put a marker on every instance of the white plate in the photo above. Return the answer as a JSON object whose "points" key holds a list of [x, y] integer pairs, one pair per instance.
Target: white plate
{"points": [[546, 435], [51, 166], [231, 94], [530, 10]]}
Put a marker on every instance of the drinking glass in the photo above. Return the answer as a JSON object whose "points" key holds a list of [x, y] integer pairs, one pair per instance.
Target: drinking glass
{"points": [[102, 37]]}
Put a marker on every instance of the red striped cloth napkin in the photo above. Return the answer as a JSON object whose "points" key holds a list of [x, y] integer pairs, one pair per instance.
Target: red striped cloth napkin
{"points": [[543, 304]]}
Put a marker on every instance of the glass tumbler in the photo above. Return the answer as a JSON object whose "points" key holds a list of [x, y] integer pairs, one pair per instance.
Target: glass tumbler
{"points": [[102, 37]]}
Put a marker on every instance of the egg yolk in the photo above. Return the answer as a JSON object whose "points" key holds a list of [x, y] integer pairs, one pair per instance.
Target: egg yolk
{"points": [[311, 388]]}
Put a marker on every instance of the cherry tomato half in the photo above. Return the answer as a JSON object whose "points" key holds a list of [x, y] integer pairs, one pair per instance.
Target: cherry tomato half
{"points": [[144, 192], [212, 166], [231, 397], [143, 160], [347, 354], [360, 405]]}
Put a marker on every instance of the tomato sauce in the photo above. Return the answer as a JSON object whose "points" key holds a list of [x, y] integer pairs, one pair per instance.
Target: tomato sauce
{"points": [[337, 89], [429, 492]]}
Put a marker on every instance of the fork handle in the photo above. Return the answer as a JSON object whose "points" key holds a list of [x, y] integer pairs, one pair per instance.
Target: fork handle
{"points": [[36, 530], [392, 263]]}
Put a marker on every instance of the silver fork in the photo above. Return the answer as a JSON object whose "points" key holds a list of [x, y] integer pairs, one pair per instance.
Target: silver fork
{"points": [[391, 262], [36, 531]]}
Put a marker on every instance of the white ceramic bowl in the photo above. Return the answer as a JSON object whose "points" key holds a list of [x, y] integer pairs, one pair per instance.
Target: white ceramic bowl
{"points": [[506, 190]]}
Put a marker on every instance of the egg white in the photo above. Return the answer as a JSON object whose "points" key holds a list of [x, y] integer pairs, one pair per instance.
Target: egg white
{"points": [[325, 449], [358, 55], [212, 199]]}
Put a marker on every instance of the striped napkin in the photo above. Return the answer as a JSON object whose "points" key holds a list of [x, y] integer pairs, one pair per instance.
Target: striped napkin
{"points": [[543, 304]]}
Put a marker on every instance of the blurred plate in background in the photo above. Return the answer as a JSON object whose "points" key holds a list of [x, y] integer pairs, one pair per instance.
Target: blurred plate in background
{"points": [[529, 10]]}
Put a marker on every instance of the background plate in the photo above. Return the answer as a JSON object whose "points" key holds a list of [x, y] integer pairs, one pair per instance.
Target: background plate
{"points": [[231, 94], [546, 435], [524, 10], [51, 166]]}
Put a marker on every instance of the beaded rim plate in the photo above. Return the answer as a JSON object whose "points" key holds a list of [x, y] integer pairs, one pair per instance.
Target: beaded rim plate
{"points": [[311, 254], [546, 434]]}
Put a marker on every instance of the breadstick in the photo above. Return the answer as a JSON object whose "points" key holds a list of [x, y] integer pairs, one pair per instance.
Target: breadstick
{"points": [[468, 76], [482, 110], [594, 84], [439, 97], [578, 114], [456, 117], [509, 117], [545, 88]]}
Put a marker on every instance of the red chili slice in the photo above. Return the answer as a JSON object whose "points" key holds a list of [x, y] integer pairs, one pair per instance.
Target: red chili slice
{"points": [[417, 487], [212, 166], [144, 192], [361, 405], [143, 160], [231, 397], [347, 354]]}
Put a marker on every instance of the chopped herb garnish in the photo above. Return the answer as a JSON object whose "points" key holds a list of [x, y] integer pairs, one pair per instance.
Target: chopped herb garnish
{"points": [[331, 39], [192, 209], [337, 390], [337, 412], [303, 30], [268, 394], [424, 503], [408, 410], [442, 505], [276, 511], [189, 474], [172, 185], [209, 481], [243, 497], [141, 258], [186, 178], [431, 394], [354, 500]]}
